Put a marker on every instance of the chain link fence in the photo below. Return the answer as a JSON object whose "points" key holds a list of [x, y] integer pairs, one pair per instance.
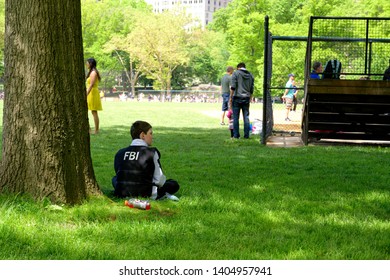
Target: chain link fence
{"points": [[360, 44]]}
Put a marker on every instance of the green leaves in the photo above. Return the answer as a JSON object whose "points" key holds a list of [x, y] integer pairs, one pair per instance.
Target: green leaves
{"points": [[103, 20], [159, 43]]}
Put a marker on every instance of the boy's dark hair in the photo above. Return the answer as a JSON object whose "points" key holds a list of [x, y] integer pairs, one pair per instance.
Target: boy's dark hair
{"points": [[241, 65], [138, 127]]}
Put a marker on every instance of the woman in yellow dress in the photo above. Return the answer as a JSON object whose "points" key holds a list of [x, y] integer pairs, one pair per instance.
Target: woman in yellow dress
{"points": [[93, 95]]}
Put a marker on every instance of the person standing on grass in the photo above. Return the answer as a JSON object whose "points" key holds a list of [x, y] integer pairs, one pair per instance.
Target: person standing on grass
{"points": [[288, 95], [241, 92], [93, 95], [138, 169], [225, 87]]}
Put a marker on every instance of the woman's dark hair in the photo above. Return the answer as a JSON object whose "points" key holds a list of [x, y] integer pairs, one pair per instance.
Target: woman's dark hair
{"points": [[138, 127], [92, 67]]}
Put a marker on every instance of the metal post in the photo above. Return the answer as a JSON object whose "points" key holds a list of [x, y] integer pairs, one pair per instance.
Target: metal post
{"points": [[265, 81], [366, 55]]}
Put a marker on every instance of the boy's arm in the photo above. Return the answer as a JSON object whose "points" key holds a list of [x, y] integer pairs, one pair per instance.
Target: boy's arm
{"points": [[158, 175], [288, 87], [116, 162], [285, 93]]}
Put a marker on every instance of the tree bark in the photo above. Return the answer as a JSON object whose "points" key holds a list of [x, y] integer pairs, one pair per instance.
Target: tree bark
{"points": [[46, 148]]}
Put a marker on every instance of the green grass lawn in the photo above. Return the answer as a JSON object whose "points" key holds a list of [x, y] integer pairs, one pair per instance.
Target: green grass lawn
{"points": [[238, 199]]}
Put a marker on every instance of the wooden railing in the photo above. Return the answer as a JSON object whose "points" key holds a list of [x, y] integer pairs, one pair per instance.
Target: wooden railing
{"points": [[346, 109]]}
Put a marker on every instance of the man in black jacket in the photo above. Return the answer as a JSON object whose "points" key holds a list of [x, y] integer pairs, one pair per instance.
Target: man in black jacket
{"points": [[241, 92]]}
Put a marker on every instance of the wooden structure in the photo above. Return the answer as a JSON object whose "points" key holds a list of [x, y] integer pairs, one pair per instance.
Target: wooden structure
{"points": [[346, 109], [356, 107]]}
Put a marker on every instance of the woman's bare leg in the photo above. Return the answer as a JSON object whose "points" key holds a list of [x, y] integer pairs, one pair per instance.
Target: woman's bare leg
{"points": [[96, 121]]}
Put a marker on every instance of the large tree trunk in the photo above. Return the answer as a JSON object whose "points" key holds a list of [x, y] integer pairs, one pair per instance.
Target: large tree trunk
{"points": [[46, 150]]}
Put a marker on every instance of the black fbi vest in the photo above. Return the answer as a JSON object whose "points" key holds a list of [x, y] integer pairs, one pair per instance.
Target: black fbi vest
{"points": [[135, 167]]}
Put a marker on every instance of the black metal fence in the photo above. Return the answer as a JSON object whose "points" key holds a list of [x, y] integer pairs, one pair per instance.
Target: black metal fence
{"points": [[360, 44]]}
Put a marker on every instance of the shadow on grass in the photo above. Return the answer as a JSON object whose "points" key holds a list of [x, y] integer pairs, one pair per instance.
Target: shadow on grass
{"points": [[239, 200]]}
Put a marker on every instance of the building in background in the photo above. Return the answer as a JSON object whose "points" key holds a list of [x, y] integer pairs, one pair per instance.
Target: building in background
{"points": [[201, 10]]}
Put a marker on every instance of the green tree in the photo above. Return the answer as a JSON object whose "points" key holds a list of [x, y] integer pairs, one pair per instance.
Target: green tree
{"points": [[103, 20], [208, 56], [159, 43], [243, 23], [208, 60], [120, 47]]}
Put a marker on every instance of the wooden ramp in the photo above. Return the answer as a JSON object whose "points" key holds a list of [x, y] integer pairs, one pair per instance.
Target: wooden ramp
{"points": [[346, 109]]}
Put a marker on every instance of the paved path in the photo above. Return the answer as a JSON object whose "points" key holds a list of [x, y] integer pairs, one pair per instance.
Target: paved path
{"points": [[285, 141]]}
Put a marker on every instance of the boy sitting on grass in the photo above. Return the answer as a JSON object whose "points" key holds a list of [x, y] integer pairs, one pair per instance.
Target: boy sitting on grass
{"points": [[138, 169]]}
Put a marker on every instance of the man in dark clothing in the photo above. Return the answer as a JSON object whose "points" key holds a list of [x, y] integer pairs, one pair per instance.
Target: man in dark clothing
{"points": [[138, 169], [241, 92], [386, 76]]}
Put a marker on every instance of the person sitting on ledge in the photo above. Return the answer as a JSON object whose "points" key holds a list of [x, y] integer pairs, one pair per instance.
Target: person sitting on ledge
{"points": [[317, 70]]}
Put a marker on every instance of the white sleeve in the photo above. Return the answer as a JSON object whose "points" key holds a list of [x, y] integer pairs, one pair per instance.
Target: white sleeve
{"points": [[158, 176]]}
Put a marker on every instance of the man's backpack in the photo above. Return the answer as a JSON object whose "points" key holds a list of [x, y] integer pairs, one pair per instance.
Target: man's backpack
{"points": [[386, 76], [332, 69]]}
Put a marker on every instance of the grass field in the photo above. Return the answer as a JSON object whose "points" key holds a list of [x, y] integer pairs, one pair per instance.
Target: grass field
{"points": [[238, 199]]}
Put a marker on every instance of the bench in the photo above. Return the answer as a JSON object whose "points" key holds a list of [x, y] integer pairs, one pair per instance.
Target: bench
{"points": [[346, 109]]}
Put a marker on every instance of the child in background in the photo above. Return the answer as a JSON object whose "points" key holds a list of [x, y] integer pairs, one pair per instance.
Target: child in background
{"points": [[229, 115]]}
